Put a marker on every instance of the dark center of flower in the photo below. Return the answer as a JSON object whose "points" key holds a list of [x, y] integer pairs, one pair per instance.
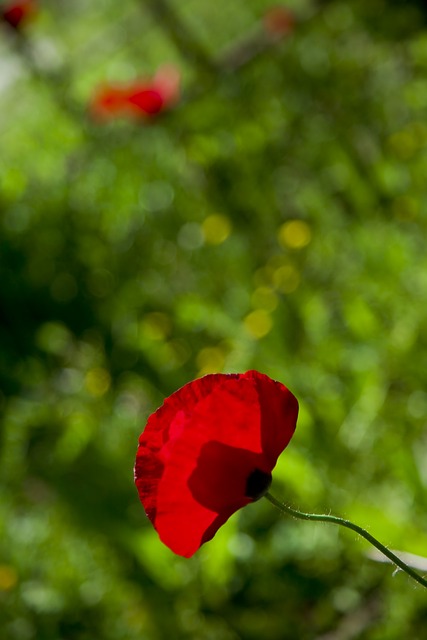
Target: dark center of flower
{"points": [[257, 484]]}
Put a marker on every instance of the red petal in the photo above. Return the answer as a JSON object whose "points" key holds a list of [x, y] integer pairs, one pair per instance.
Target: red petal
{"points": [[167, 82], [279, 413], [108, 102], [146, 99], [14, 16], [200, 448], [17, 12]]}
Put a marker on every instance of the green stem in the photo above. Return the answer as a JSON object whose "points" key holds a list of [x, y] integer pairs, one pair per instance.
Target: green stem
{"points": [[183, 38], [354, 527]]}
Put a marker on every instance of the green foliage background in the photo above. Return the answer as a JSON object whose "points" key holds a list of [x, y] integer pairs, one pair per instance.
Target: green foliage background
{"points": [[275, 219]]}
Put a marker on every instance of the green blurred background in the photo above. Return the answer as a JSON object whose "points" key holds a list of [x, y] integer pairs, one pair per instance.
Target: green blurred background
{"points": [[274, 219]]}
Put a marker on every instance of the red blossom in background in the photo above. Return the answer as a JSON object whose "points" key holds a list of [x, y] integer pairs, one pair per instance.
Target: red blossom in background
{"points": [[139, 99], [145, 100], [279, 21], [15, 14], [108, 102], [210, 450]]}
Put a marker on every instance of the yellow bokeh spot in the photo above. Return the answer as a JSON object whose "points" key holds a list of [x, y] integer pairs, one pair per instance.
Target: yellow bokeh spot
{"points": [[156, 325], [264, 298], [263, 277], [97, 381], [210, 360], [286, 278], [216, 228], [8, 577], [295, 234], [258, 323]]}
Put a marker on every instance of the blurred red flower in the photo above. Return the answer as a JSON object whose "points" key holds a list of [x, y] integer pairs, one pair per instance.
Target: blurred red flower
{"points": [[279, 21], [140, 99], [144, 99], [208, 451], [17, 13], [108, 102]]}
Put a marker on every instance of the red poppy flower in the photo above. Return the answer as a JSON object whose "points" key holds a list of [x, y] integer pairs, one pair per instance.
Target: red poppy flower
{"points": [[16, 13], [208, 451], [148, 98], [137, 99], [140, 99], [279, 21]]}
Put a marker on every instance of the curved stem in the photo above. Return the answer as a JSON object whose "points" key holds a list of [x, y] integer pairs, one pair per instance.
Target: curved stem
{"points": [[354, 527]]}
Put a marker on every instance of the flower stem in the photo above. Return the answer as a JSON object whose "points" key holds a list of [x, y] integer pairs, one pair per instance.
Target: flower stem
{"points": [[182, 36], [284, 509]]}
